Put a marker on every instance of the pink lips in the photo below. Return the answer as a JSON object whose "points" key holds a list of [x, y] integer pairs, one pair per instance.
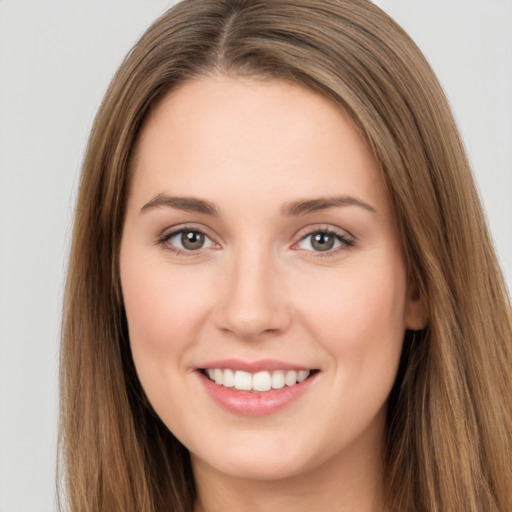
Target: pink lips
{"points": [[248, 403]]}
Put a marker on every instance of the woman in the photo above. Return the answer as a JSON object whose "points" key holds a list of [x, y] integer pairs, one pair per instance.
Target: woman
{"points": [[282, 294]]}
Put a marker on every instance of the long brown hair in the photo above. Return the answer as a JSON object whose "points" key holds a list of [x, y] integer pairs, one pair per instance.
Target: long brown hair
{"points": [[449, 430]]}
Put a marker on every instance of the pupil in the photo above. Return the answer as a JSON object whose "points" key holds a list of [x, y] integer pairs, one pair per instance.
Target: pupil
{"points": [[192, 240], [323, 242]]}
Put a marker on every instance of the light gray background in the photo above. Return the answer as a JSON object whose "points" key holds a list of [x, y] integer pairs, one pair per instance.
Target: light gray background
{"points": [[56, 59]]}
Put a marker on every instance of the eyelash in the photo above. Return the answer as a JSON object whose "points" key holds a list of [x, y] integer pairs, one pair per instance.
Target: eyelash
{"points": [[166, 236], [346, 242]]}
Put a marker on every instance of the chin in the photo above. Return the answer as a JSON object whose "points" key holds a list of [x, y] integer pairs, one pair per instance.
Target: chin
{"points": [[259, 468], [264, 459]]}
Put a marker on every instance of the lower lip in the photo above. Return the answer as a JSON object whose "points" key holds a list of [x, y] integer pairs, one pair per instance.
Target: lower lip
{"points": [[254, 404]]}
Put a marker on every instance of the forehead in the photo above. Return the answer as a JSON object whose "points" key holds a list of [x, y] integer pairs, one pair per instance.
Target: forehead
{"points": [[258, 136]]}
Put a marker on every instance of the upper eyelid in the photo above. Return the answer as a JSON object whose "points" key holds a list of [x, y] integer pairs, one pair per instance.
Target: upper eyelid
{"points": [[174, 230], [323, 228]]}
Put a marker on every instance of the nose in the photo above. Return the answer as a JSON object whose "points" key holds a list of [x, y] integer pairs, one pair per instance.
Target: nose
{"points": [[253, 302]]}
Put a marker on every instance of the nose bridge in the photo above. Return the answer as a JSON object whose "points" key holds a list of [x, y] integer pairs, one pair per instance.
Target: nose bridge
{"points": [[252, 302]]}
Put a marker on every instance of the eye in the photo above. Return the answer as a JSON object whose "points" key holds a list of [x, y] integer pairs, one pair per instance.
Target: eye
{"points": [[324, 241], [188, 240]]}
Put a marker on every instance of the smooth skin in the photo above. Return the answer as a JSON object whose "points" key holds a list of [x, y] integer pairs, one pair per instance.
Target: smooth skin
{"points": [[235, 271]]}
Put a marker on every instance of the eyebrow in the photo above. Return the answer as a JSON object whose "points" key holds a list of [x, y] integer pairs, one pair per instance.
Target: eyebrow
{"points": [[291, 209], [190, 204], [305, 206]]}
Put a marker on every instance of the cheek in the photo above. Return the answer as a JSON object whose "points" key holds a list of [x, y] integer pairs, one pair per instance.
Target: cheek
{"points": [[359, 318], [165, 311], [373, 310]]}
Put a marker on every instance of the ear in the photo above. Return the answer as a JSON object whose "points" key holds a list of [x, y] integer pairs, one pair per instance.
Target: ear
{"points": [[416, 314]]}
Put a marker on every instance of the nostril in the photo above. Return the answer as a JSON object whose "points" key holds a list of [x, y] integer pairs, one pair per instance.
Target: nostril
{"points": [[250, 322]]}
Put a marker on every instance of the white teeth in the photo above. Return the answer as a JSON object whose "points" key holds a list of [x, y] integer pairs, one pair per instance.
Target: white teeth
{"points": [[278, 380], [243, 381], [218, 376], [259, 381], [228, 379], [290, 378], [302, 375]]}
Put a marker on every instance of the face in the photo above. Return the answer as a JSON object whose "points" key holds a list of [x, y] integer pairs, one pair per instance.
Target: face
{"points": [[263, 278]]}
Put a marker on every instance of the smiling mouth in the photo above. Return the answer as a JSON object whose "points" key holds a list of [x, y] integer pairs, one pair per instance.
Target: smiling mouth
{"points": [[257, 382]]}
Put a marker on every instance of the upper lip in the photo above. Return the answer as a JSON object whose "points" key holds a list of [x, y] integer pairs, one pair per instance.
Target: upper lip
{"points": [[254, 366]]}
